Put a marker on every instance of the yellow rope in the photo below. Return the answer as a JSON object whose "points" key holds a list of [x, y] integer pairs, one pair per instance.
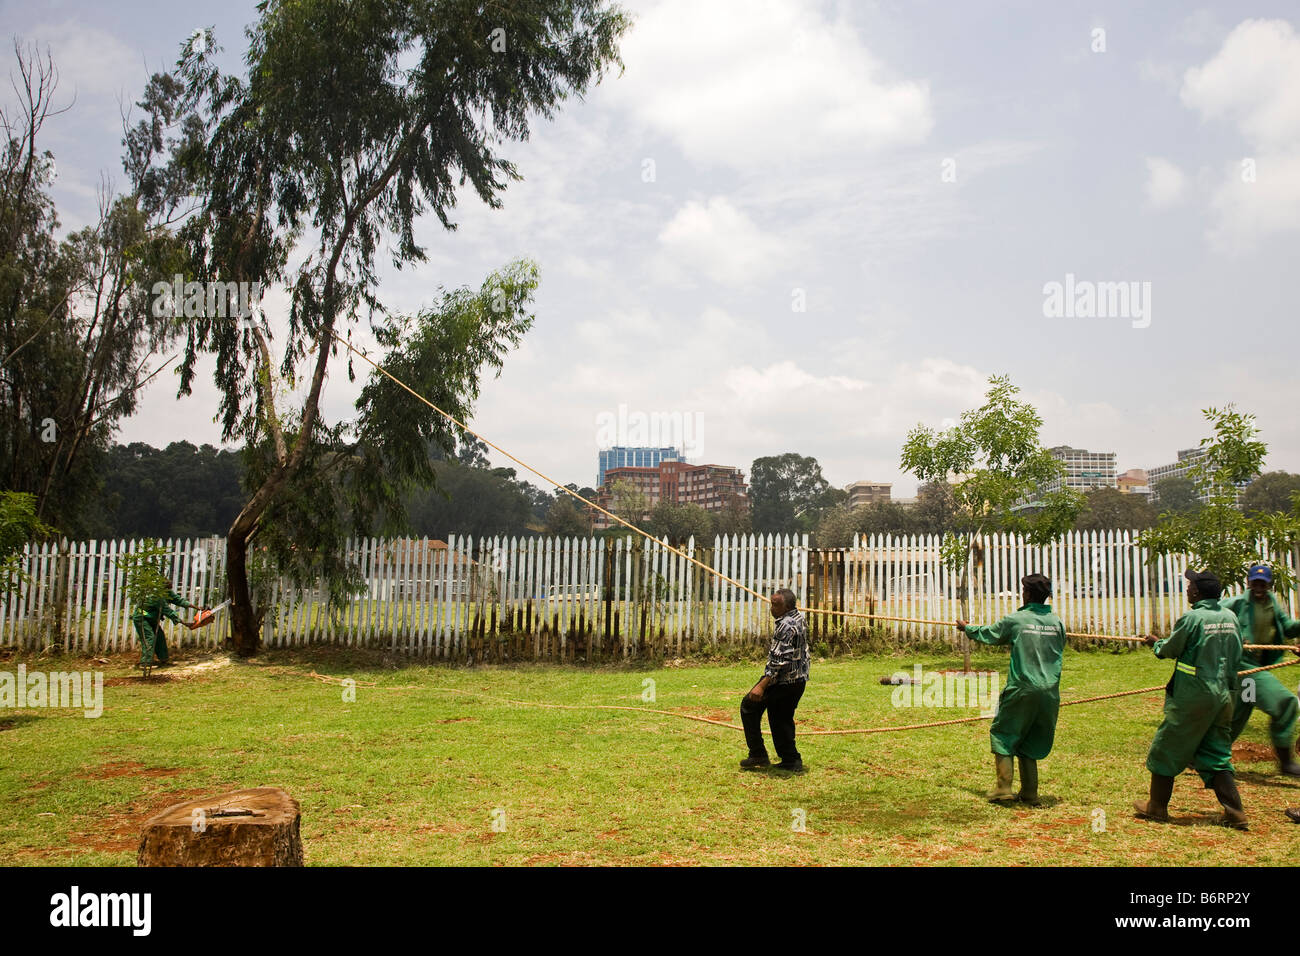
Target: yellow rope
{"points": [[803, 733], [664, 544]]}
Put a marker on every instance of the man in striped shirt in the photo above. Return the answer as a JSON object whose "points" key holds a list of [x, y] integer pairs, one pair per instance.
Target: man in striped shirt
{"points": [[779, 690]]}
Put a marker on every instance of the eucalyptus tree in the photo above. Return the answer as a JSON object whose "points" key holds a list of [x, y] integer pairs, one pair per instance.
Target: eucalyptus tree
{"points": [[353, 119]]}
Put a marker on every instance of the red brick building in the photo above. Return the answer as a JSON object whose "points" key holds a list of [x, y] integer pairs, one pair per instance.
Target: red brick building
{"points": [[712, 487]]}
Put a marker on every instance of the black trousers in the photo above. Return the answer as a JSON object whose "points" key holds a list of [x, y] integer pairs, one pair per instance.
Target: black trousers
{"points": [[780, 701]]}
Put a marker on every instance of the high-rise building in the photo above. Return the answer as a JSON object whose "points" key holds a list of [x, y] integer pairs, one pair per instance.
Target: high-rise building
{"points": [[868, 492], [713, 487], [624, 456], [1084, 470], [1187, 457]]}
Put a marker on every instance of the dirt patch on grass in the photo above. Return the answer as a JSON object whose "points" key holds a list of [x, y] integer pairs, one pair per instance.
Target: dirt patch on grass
{"points": [[457, 720], [120, 832], [722, 715], [1252, 752], [138, 679], [128, 768], [6, 724]]}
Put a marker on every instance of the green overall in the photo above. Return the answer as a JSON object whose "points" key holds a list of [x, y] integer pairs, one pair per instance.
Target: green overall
{"points": [[148, 626], [1270, 694], [1197, 728], [1025, 725]]}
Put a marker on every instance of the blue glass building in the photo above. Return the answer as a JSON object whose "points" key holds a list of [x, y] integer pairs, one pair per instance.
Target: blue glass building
{"points": [[622, 456]]}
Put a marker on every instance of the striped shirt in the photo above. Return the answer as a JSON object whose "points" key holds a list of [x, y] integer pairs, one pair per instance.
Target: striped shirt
{"points": [[788, 658]]}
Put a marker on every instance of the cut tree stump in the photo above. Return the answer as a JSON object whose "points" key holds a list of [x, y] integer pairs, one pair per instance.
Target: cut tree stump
{"points": [[255, 827]]}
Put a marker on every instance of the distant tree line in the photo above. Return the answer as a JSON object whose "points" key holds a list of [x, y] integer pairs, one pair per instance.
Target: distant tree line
{"points": [[185, 490]]}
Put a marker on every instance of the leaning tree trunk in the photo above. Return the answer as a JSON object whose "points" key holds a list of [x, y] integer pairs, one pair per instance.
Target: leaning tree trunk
{"points": [[244, 621]]}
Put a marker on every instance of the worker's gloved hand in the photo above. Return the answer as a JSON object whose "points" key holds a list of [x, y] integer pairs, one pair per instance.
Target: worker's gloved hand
{"points": [[1149, 640], [961, 626]]}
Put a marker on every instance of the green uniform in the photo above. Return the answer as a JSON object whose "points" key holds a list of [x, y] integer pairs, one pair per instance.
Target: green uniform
{"points": [[1270, 694], [148, 626], [1197, 729], [1025, 725]]}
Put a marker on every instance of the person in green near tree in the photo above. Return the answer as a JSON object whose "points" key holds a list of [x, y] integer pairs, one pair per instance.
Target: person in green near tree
{"points": [[1025, 725], [1197, 727], [1263, 620], [147, 620]]}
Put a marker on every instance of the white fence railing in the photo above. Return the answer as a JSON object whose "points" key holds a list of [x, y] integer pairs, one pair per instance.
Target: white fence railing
{"points": [[560, 598]]}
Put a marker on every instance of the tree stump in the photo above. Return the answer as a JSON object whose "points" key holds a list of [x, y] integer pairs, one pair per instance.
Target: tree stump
{"points": [[255, 827]]}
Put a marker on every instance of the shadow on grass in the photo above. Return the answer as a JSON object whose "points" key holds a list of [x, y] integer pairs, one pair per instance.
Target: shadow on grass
{"points": [[19, 720]]}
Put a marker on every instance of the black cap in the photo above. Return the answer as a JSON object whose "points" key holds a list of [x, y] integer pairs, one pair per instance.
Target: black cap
{"points": [[1039, 583], [1207, 582]]}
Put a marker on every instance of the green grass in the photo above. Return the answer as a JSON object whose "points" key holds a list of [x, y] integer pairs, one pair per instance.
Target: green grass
{"points": [[412, 771]]}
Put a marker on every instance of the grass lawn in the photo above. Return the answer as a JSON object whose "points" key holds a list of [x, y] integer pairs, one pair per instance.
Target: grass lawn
{"points": [[412, 772]]}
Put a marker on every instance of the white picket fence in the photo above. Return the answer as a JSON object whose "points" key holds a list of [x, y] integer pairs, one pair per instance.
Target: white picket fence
{"points": [[565, 598], [1102, 582]]}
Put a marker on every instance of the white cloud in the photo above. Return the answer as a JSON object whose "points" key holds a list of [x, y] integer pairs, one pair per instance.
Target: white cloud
{"points": [[1254, 82], [1166, 183], [718, 240], [759, 84], [94, 67]]}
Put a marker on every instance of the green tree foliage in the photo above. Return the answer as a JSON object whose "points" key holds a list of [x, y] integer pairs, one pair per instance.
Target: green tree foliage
{"points": [[788, 493], [1110, 508], [471, 499], [181, 491], [839, 524], [1219, 537], [628, 502], [995, 459], [78, 336], [145, 572], [19, 526], [733, 519], [565, 517], [1270, 493], [1177, 495], [680, 522], [936, 511], [357, 476], [354, 118]]}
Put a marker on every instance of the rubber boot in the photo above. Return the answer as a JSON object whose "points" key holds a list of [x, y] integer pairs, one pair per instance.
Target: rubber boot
{"points": [[1225, 788], [1028, 781], [1157, 806], [1006, 769], [1284, 762]]}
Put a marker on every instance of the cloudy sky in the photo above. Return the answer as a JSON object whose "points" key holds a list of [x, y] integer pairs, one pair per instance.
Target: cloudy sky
{"points": [[811, 226]]}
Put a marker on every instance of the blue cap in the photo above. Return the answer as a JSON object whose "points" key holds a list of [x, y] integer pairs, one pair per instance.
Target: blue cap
{"points": [[1260, 572]]}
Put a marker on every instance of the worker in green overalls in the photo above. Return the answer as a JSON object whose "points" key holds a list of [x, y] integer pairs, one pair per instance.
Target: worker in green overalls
{"points": [[147, 620], [1197, 727], [1263, 620], [1025, 725]]}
